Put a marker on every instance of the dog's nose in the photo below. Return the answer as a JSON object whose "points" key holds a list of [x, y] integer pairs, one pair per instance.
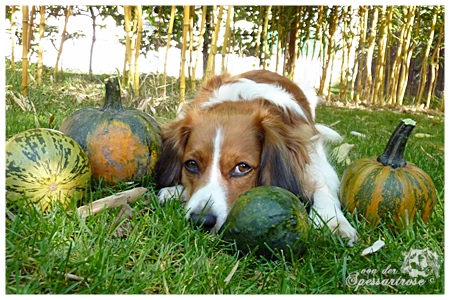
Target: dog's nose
{"points": [[206, 221]]}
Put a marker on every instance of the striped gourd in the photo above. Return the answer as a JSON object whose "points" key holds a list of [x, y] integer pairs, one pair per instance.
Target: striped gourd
{"points": [[43, 166], [385, 187], [121, 143]]}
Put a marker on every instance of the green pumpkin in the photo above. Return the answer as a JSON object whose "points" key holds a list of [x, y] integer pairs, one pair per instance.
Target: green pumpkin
{"points": [[387, 187], [265, 218], [45, 167], [121, 143]]}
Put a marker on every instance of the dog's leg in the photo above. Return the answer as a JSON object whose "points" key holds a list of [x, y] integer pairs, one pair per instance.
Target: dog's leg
{"points": [[172, 192], [326, 207]]}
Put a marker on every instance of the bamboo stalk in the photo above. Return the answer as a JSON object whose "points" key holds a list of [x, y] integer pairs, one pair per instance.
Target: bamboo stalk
{"points": [[226, 37], [318, 37], [326, 71], [169, 36], [187, 11], [345, 47], [30, 26], [265, 36], [434, 69], [425, 61], [41, 48], [13, 36], [369, 56], [280, 33], [363, 15], [396, 66], [25, 51], [379, 75], [128, 54], [191, 41], [213, 49], [406, 56], [137, 49], [200, 41]]}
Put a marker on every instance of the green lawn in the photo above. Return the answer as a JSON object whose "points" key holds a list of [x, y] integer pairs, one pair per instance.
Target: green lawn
{"points": [[161, 253]]}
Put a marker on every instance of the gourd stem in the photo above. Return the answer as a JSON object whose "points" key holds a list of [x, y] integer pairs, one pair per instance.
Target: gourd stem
{"points": [[393, 154], [113, 102]]}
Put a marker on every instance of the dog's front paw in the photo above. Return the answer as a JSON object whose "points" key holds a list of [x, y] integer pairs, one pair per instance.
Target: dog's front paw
{"points": [[346, 230], [171, 193], [337, 223]]}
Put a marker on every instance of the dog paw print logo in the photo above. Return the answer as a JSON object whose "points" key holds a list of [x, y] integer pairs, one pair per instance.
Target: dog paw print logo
{"points": [[421, 262]]}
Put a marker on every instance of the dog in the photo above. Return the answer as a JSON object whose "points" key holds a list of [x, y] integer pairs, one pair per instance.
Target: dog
{"points": [[242, 131]]}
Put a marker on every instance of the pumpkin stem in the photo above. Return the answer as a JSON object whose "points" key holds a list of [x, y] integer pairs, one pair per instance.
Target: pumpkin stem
{"points": [[393, 154], [113, 101]]}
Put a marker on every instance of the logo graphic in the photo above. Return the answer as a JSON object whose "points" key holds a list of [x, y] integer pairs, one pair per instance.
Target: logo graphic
{"points": [[420, 262], [419, 266]]}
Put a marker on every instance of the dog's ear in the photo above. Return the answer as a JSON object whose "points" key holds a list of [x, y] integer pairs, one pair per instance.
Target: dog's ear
{"points": [[284, 156], [169, 164]]}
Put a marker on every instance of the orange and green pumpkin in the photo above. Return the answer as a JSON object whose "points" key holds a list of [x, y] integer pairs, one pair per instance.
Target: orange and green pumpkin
{"points": [[45, 167], [387, 187], [121, 143]]}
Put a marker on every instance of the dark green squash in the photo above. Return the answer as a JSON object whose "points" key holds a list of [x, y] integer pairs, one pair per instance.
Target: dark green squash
{"points": [[121, 143], [387, 187], [265, 218]]}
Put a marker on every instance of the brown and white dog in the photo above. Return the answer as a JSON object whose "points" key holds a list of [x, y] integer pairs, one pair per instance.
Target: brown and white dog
{"points": [[248, 130]]}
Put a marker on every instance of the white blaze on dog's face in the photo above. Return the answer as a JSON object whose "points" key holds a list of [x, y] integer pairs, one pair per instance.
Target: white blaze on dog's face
{"points": [[220, 162]]}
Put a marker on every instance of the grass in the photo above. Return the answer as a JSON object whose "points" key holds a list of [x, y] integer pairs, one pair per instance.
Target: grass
{"points": [[161, 253]]}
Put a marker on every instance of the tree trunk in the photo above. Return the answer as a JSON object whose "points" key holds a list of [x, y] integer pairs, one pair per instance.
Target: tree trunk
{"points": [[25, 51], [169, 36], [63, 39], [187, 11], [41, 49], [94, 26]]}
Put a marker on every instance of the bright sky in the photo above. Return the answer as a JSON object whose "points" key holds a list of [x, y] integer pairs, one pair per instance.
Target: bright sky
{"points": [[109, 53]]}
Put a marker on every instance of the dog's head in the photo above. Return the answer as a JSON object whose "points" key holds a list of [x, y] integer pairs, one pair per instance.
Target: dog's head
{"points": [[221, 152]]}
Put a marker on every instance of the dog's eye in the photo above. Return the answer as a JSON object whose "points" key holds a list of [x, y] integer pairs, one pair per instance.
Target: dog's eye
{"points": [[191, 166], [240, 170]]}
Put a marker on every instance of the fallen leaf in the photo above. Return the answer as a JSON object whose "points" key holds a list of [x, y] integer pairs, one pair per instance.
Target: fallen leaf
{"points": [[359, 134], [423, 135], [233, 270], [341, 153], [374, 248]]}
